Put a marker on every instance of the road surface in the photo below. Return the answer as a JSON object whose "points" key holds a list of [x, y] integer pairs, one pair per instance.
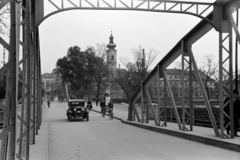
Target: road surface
{"points": [[104, 139]]}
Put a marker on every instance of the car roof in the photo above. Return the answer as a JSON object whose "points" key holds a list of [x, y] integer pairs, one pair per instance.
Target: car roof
{"points": [[76, 100]]}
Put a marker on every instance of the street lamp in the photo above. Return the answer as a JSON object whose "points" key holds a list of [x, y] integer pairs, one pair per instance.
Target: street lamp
{"points": [[129, 77]]}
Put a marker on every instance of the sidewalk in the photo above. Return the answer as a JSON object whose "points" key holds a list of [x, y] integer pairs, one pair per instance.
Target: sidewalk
{"points": [[200, 134]]}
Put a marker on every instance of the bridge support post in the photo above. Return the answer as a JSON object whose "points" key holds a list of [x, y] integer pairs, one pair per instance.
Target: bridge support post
{"points": [[223, 72], [210, 113], [186, 92]]}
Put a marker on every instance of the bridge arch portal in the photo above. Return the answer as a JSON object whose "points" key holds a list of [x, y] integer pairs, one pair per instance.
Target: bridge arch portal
{"points": [[198, 9]]}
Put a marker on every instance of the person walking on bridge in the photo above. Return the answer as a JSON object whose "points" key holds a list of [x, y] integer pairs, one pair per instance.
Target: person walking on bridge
{"points": [[102, 105], [110, 109], [48, 102]]}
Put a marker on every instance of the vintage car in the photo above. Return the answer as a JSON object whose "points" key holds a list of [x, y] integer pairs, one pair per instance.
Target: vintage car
{"points": [[77, 110]]}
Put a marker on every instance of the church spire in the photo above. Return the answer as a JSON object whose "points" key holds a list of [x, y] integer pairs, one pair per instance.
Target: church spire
{"points": [[111, 44]]}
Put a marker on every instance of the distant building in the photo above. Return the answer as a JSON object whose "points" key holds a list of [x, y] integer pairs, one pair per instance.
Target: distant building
{"points": [[112, 88], [49, 82], [175, 82]]}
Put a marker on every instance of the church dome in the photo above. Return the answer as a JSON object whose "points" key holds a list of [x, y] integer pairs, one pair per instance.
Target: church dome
{"points": [[111, 44]]}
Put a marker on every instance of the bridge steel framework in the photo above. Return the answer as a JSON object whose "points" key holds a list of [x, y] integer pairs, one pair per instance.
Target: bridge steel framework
{"points": [[22, 122]]}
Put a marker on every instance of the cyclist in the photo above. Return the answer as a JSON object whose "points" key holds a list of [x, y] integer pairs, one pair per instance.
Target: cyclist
{"points": [[102, 105], [110, 107]]}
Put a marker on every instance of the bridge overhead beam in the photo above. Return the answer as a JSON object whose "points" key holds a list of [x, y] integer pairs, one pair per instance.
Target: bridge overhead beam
{"points": [[199, 9], [222, 10], [231, 5]]}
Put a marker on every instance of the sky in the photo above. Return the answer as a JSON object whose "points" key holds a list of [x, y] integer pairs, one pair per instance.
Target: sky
{"points": [[130, 29]]}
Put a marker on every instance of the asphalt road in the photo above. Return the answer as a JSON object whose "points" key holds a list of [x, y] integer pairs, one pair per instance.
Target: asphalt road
{"points": [[104, 139]]}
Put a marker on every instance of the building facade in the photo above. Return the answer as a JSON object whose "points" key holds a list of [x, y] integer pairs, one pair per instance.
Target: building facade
{"points": [[49, 82], [174, 77]]}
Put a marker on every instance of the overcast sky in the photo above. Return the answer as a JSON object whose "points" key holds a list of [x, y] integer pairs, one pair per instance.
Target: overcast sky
{"points": [[130, 29]]}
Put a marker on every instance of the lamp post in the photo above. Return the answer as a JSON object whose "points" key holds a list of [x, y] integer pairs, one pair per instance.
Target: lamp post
{"points": [[129, 77]]}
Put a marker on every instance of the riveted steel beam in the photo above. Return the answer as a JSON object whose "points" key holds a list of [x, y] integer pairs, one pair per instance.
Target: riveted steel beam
{"points": [[198, 9], [191, 37], [207, 103], [151, 106], [225, 85], [186, 77], [172, 100]]}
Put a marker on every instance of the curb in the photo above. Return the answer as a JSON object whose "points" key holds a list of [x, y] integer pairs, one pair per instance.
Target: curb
{"points": [[196, 138]]}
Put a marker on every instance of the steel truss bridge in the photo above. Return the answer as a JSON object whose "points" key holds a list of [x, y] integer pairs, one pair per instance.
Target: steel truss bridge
{"points": [[21, 124]]}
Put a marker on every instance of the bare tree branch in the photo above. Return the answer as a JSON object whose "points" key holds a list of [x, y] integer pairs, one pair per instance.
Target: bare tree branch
{"points": [[5, 20]]}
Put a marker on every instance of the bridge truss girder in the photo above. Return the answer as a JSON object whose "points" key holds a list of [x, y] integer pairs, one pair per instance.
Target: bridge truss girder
{"points": [[224, 24], [198, 9], [22, 117], [21, 124]]}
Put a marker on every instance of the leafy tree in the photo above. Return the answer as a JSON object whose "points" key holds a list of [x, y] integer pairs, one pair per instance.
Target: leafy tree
{"points": [[77, 68], [84, 69]]}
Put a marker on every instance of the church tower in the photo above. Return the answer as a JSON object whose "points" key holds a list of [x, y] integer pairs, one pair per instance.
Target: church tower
{"points": [[111, 57]]}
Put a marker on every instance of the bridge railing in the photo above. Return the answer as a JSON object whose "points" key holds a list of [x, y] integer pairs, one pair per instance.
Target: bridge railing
{"points": [[200, 114]]}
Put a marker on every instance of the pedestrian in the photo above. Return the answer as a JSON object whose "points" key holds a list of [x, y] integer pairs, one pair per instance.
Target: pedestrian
{"points": [[48, 102], [110, 109], [89, 105], [102, 105], [236, 112]]}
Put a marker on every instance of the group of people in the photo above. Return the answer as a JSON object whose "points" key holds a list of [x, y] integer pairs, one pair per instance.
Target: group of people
{"points": [[236, 113], [60, 98], [105, 103]]}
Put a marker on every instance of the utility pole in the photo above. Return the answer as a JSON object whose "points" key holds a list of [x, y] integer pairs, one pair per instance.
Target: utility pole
{"points": [[143, 78], [143, 64], [236, 56]]}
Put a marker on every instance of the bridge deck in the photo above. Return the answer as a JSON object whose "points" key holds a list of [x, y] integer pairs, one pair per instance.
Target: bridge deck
{"points": [[200, 134]]}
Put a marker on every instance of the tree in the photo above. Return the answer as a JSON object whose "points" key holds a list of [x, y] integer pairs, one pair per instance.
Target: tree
{"points": [[4, 20], [77, 68], [122, 81], [209, 70], [138, 67], [101, 71]]}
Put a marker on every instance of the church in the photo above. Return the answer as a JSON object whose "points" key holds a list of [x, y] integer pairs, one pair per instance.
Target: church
{"points": [[110, 86]]}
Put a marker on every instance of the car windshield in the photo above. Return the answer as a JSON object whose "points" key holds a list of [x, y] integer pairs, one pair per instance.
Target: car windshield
{"points": [[77, 103]]}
